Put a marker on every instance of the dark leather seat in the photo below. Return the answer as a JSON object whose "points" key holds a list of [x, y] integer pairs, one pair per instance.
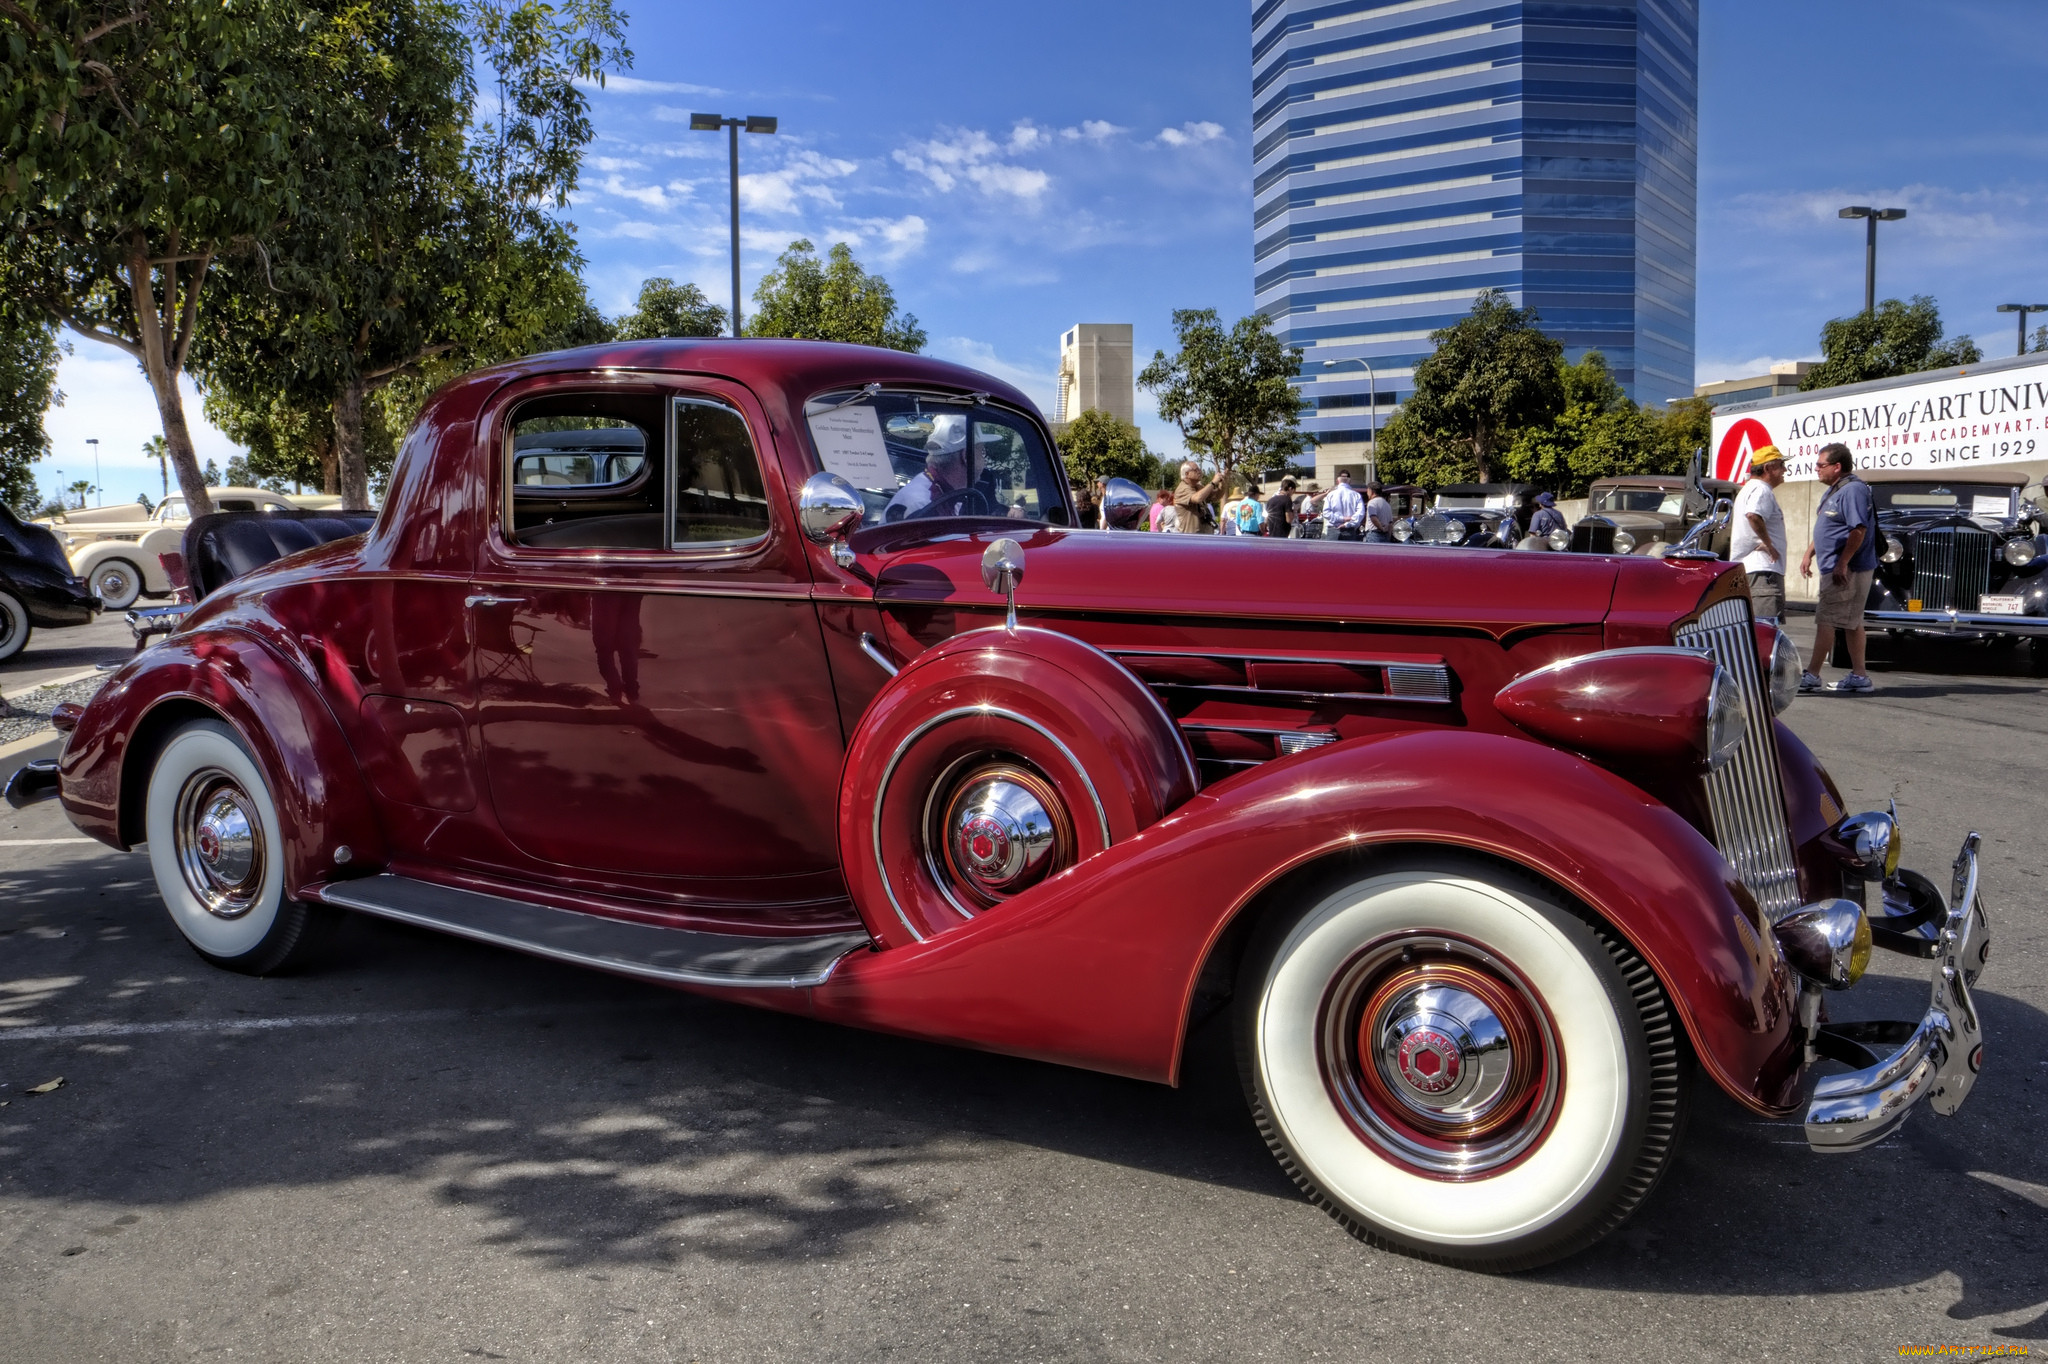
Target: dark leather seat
{"points": [[225, 545]]}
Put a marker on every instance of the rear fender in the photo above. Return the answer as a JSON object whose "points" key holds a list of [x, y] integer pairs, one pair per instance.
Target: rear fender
{"points": [[1099, 966], [323, 801]]}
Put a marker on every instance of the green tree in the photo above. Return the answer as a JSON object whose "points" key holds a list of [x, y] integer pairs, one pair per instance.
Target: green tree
{"points": [[142, 142], [1899, 338], [1491, 375], [1098, 445], [830, 300], [211, 473], [81, 489], [666, 308], [28, 387], [1600, 433], [1228, 391]]}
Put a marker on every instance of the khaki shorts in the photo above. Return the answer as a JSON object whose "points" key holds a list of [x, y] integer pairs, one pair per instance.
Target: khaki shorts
{"points": [[1841, 605], [1767, 595]]}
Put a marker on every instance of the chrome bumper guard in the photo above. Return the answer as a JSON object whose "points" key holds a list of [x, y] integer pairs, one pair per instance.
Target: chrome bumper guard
{"points": [[1939, 1059], [156, 620], [33, 784], [1955, 622]]}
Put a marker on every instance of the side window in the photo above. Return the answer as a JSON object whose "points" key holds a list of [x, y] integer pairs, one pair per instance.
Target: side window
{"points": [[719, 496], [581, 472]]}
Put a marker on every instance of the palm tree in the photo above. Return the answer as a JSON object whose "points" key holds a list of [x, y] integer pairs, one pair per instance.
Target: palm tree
{"points": [[157, 447]]}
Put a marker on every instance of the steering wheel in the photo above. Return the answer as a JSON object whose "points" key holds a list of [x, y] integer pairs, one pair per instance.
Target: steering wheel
{"points": [[959, 502]]}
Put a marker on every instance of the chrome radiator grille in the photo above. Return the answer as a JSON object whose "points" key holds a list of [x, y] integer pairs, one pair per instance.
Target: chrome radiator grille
{"points": [[1951, 567], [1744, 794]]}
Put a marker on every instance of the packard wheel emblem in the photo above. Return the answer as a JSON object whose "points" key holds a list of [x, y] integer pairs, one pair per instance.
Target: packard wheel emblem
{"points": [[209, 845], [1429, 1061], [988, 844]]}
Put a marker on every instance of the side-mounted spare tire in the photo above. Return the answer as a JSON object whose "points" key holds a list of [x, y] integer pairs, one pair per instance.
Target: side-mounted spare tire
{"points": [[991, 763]]}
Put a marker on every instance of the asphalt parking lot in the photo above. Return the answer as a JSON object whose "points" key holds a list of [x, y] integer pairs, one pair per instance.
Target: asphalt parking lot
{"points": [[429, 1150]]}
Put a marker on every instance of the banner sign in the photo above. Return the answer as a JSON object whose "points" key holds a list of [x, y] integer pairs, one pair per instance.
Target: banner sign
{"points": [[1957, 420]]}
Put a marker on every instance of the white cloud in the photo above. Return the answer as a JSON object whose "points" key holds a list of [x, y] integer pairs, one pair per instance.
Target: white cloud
{"points": [[615, 163], [1026, 135], [891, 239], [633, 85], [805, 175], [1190, 134], [972, 155], [647, 196], [1092, 130]]}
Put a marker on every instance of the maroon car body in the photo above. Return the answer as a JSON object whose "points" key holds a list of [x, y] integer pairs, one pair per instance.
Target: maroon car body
{"points": [[474, 705]]}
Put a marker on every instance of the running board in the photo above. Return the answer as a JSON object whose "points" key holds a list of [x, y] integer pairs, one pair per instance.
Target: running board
{"points": [[676, 956]]}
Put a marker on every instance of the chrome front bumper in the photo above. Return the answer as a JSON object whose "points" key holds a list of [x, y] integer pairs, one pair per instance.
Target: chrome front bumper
{"points": [[1955, 622], [1937, 1060]]}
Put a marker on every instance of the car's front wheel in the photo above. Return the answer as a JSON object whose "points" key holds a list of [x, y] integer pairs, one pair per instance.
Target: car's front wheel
{"points": [[217, 851], [117, 583], [15, 627], [1458, 1064]]}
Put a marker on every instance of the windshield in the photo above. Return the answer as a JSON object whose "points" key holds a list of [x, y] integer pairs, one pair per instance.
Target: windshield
{"points": [[1655, 500], [1475, 502], [1968, 499], [917, 455]]}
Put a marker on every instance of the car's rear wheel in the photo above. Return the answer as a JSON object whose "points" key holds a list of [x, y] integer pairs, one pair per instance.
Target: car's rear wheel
{"points": [[217, 851], [14, 626], [1458, 1064], [117, 583]]}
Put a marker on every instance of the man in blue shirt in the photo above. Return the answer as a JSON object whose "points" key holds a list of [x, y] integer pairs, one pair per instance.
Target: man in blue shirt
{"points": [[1845, 541], [1547, 518]]}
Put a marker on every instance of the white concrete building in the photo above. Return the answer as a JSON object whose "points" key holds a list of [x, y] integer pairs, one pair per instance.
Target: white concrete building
{"points": [[1095, 371]]}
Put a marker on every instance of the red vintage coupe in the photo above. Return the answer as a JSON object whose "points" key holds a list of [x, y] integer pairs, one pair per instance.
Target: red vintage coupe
{"points": [[778, 671]]}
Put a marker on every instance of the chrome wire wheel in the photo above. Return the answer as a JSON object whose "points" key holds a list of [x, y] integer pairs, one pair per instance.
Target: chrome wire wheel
{"points": [[1440, 1055], [994, 826], [219, 841]]}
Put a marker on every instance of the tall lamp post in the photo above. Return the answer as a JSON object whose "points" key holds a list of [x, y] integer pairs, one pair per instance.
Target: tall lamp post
{"points": [[753, 123], [2023, 309], [1372, 429], [1872, 217], [97, 499]]}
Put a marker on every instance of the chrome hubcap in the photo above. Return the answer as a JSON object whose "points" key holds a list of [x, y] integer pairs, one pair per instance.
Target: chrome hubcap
{"points": [[112, 582], [1440, 1056], [1002, 831], [219, 842]]}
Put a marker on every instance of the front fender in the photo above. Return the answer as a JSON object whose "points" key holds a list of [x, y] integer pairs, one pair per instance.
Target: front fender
{"points": [[1098, 966], [323, 802]]}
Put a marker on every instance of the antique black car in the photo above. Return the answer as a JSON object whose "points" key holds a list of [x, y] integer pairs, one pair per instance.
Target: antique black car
{"points": [[37, 586], [1963, 555], [1645, 513], [1474, 515]]}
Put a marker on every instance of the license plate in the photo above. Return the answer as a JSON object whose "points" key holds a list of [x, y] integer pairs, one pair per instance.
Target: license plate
{"points": [[1992, 604]]}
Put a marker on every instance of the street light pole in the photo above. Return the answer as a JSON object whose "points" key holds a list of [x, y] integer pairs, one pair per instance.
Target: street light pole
{"points": [[753, 123], [1872, 217], [1372, 430], [2023, 309], [97, 491]]}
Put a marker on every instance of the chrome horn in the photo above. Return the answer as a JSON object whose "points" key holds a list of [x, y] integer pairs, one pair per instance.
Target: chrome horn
{"points": [[1002, 568], [829, 509]]}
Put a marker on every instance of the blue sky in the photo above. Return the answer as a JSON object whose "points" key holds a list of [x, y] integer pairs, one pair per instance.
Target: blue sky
{"points": [[1015, 169]]}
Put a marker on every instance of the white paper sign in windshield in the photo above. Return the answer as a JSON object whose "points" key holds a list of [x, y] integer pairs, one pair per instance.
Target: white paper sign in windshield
{"points": [[1990, 506], [1947, 424], [849, 441]]}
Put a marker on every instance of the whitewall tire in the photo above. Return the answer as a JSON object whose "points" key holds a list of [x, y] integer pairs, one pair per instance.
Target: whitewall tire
{"points": [[117, 583], [216, 847], [1459, 1064], [14, 626]]}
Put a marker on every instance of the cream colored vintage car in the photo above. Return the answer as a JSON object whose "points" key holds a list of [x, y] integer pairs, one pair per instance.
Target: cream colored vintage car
{"points": [[116, 549]]}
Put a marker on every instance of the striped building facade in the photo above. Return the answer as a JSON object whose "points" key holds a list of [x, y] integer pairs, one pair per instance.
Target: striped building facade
{"points": [[1409, 153]]}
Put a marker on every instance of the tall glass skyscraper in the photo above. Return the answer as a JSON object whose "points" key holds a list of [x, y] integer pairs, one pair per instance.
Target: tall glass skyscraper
{"points": [[1409, 153]]}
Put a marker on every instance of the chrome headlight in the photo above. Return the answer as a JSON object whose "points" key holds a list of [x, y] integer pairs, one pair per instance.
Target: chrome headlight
{"points": [[1785, 670], [1454, 531], [1894, 550], [2020, 553], [1560, 538], [1624, 543], [1726, 718], [1404, 530], [1828, 942]]}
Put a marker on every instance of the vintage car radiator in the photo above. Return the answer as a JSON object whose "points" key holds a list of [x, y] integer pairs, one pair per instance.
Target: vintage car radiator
{"points": [[1744, 794], [1951, 567]]}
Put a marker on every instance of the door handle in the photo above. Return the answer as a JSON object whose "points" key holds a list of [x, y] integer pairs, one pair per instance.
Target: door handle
{"points": [[486, 599]]}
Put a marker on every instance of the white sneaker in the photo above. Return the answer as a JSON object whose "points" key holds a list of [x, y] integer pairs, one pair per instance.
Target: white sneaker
{"points": [[1852, 683], [1809, 683]]}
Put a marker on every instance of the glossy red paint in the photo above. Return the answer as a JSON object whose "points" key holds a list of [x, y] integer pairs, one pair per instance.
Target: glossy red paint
{"points": [[682, 738], [1636, 707], [1075, 973]]}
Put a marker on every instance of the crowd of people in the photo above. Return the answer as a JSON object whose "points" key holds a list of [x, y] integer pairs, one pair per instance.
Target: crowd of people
{"points": [[1210, 505]]}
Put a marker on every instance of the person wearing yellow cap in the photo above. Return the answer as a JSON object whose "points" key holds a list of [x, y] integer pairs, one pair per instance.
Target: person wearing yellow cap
{"points": [[1757, 540]]}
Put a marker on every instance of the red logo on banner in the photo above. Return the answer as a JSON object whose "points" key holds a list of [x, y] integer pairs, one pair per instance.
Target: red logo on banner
{"points": [[1745, 438]]}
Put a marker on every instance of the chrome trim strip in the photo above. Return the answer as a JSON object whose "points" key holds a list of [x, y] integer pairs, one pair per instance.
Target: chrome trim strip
{"points": [[1275, 658], [1956, 622], [873, 649], [1220, 690], [1403, 681], [944, 717]]}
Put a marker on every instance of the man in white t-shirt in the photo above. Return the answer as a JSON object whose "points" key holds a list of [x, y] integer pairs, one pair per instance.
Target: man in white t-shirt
{"points": [[1757, 539]]}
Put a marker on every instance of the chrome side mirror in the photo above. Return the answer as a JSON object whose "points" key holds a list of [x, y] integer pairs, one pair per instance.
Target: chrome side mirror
{"points": [[1002, 568], [1124, 505], [830, 509]]}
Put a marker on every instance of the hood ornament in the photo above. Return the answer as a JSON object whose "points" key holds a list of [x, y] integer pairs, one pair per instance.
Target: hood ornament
{"points": [[1002, 568]]}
